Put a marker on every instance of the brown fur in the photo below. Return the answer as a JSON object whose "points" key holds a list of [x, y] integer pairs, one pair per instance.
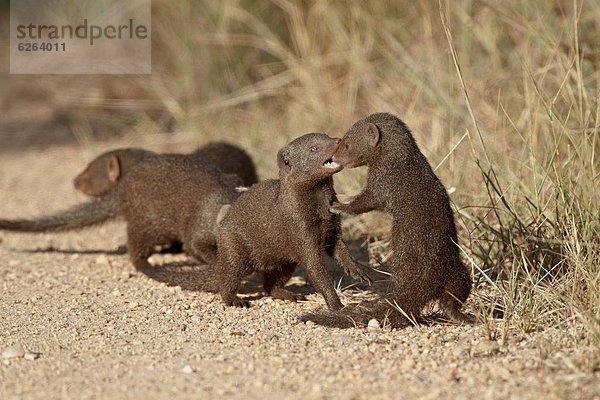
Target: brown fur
{"points": [[425, 265], [163, 199], [278, 224], [104, 172], [230, 159]]}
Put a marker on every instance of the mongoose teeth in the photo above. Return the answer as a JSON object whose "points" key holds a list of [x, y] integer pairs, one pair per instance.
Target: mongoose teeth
{"points": [[331, 164]]}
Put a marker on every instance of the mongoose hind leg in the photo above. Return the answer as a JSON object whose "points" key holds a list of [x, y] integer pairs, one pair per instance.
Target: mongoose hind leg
{"points": [[455, 294], [274, 282], [139, 247], [203, 247]]}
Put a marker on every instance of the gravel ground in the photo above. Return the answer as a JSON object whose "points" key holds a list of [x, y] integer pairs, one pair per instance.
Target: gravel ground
{"points": [[76, 321]]}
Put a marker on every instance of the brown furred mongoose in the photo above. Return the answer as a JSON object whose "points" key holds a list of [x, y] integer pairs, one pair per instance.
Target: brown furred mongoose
{"points": [[163, 199], [279, 224], [102, 173], [425, 265]]}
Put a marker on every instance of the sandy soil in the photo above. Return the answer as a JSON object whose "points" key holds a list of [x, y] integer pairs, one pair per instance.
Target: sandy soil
{"points": [[99, 330]]}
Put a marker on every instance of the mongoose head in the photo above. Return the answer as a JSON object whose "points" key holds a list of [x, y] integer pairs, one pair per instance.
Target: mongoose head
{"points": [[364, 141], [100, 175], [358, 144], [309, 158]]}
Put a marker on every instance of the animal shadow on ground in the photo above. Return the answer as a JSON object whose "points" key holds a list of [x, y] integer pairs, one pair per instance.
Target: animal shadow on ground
{"points": [[121, 250], [194, 276]]}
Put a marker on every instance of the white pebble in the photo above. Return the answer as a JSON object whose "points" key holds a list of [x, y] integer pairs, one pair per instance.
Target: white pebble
{"points": [[102, 260], [14, 351], [408, 364], [187, 369], [373, 324], [30, 356]]}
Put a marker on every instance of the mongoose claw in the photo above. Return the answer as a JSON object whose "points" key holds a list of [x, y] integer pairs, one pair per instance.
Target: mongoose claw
{"points": [[235, 301], [336, 208], [240, 303]]}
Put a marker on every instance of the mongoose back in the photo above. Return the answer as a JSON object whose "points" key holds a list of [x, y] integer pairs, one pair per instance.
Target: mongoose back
{"points": [[103, 173], [278, 224], [230, 159], [163, 199], [425, 265]]}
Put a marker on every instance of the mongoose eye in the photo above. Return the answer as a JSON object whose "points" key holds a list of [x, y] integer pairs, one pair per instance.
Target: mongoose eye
{"points": [[314, 148]]}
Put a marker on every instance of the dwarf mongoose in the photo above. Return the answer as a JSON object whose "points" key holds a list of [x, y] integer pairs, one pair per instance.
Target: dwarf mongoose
{"points": [[278, 224], [425, 265], [163, 199], [102, 173]]}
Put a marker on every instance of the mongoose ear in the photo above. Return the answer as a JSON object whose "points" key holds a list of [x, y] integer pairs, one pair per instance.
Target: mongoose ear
{"points": [[374, 136], [114, 169], [283, 161]]}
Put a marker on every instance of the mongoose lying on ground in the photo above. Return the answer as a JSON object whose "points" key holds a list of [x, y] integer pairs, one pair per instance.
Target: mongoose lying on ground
{"points": [[163, 199], [426, 263], [104, 171], [278, 224]]}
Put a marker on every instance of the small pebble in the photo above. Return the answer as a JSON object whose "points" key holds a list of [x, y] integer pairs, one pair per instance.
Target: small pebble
{"points": [[14, 351], [187, 369], [309, 323], [373, 325], [485, 348], [196, 319], [102, 260], [30, 356], [459, 351], [408, 364]]}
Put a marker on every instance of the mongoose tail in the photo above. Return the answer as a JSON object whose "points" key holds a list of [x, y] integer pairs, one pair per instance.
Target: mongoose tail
{"points": [[91, 213]]}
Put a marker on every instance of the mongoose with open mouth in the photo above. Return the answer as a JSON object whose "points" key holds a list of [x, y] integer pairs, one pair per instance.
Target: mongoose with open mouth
{"points": [[279, 224]]}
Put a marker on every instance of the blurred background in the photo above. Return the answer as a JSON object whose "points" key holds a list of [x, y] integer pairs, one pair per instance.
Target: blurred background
{"points": [[503, 99]]}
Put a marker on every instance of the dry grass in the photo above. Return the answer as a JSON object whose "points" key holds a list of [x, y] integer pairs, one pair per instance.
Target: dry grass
{"points": [[503, 99]]}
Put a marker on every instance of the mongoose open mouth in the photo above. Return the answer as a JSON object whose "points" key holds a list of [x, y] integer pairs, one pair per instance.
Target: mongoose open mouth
{"points": [[331, 165]]}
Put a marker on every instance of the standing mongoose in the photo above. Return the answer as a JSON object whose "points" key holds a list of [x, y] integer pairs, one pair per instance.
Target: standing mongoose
{"points": [[279, 224], [102, 173], [425, 264], [163, 199]]}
